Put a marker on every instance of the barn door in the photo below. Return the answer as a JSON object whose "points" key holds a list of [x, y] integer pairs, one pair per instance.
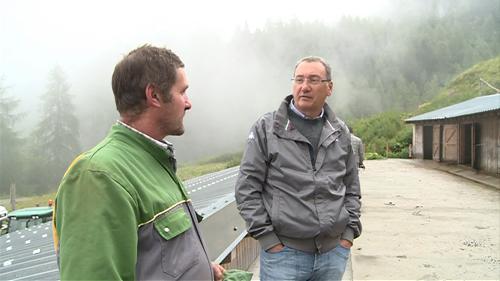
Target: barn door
{"points": [[477, 146], [427, 141], [450, 143]]}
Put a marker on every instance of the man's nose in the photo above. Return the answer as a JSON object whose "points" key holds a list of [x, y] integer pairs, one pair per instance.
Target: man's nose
{"points": [[305, 87], [187, 103]]}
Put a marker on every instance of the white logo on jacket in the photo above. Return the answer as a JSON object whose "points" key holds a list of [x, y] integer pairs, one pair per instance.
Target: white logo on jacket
{"points": [[251, 136]]}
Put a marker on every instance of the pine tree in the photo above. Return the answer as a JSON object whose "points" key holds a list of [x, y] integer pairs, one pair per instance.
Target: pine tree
{"points": [[9, 141], [56, 138]]}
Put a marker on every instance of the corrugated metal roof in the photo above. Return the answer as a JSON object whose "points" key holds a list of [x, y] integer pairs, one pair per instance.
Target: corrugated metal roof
{"points": [[213, 191], [468, 107], [28, 254]]}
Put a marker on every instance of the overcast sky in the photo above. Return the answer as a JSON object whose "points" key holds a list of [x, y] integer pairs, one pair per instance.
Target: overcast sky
{"points": [[86, 38], [36, 34]]}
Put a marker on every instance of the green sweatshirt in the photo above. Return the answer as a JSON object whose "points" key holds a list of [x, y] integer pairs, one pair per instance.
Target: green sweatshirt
{"points": [[119, 212]]}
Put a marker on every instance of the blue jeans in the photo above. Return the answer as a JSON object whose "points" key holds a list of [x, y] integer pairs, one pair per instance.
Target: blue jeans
{"points": [[291, 264]]}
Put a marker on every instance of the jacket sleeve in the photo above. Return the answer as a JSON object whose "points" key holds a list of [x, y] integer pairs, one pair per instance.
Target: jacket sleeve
{"points": [[352, 201], [249, 188], [96, 224]]}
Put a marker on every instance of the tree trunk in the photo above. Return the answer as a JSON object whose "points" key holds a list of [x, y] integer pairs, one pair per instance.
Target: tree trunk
{"points": [[13, 196]]}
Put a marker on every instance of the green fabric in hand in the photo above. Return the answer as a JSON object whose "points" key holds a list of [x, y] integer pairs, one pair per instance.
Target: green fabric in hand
{"points": [[237, 275]]}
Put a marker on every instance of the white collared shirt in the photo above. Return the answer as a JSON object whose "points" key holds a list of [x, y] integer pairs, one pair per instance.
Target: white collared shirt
{"points": [[294, 109], [163, 144]]}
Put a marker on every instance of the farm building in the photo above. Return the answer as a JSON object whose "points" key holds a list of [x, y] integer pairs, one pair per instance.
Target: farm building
{"points": [[466, 133]]}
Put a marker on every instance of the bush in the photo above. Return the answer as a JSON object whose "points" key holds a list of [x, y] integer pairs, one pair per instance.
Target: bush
{"points": [[385, 134], [403, 153], [373, 156]]}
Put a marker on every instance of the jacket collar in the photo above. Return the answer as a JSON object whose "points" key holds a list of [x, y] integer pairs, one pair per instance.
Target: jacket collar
{"points": [[163, 143], [282, 123], [164, 155]]}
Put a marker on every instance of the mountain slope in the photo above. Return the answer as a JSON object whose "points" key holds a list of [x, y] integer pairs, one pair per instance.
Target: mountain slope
{"points": [[467, 85], [387, 133]]}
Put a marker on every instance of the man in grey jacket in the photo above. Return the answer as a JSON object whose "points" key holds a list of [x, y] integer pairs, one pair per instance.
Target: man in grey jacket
{"points": [[358, 148], [298, 188]]}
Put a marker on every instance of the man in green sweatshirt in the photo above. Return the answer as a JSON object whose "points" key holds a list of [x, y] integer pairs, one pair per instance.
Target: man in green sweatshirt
{"points": [[121, 213]]}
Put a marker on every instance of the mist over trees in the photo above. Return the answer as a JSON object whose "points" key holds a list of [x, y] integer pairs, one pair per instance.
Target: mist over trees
{"points": [[36, 163], [387, 135], [10, 142], [55, 140], [391, 63]]}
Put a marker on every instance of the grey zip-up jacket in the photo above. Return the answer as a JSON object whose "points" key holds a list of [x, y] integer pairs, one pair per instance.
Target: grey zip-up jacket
{"points": [[358, 148], [284, 198]]}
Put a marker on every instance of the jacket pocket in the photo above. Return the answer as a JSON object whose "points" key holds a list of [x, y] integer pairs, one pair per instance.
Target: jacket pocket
{"points": [[338, 223], [173, 223], [342, 221], [177, 244]]}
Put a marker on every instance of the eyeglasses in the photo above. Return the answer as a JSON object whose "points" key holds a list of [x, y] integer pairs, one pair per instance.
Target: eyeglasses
{"points": [[312, 80]]}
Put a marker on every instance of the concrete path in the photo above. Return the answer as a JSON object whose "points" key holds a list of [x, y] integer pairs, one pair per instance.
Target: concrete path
{"points": [[421, 223], [425, 221]]}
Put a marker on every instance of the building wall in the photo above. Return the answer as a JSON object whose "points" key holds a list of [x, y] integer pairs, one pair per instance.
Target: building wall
{"points": [[450, 146], [418, 146], [243, 256], [490, 144]]}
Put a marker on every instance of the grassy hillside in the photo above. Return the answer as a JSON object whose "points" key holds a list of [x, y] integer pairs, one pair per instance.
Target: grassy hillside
{"points": [[30, 201], [209, 165], [388, 135], [467, 85]]}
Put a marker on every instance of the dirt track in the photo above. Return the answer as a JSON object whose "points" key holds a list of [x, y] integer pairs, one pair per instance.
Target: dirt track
{"points": [[424, 224]]}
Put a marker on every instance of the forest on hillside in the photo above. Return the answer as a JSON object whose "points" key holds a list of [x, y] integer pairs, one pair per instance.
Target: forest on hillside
{"points": [[381, 65], [387, 135], [385, 64]]}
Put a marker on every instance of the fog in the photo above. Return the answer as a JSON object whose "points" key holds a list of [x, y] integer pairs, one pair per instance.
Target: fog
{"points": [[230, 85], [87, 38]]}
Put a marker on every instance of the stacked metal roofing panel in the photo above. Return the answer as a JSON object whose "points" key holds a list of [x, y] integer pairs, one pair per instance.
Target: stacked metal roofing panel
{"points": [[29, 254]]}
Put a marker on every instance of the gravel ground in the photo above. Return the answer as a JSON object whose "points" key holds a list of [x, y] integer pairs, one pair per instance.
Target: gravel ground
{"points": [[424, 224]]}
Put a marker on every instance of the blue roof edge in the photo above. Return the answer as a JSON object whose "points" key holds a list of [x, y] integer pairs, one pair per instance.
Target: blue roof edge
{"points": [[475, 105]]}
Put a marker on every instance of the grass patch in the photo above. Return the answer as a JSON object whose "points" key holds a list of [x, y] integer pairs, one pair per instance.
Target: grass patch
{"points": [[373, 156], [192, 171], [28, 201], [185, 172], [209, 165]]}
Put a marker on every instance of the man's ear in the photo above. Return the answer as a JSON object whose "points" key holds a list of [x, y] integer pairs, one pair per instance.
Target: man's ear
{"points": [[152, 98], [331, 86]]}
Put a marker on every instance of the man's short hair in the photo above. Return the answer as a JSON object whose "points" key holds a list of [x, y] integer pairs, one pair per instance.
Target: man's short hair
{"points": [[328, 69], [146, 65]]}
